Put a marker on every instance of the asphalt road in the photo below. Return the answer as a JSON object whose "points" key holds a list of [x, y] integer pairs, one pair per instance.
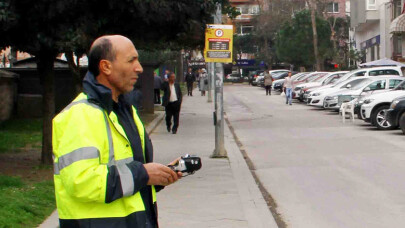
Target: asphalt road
{"points": [[320, 171]]}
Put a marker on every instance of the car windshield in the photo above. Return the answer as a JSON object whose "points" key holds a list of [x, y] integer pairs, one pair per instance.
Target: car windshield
{"points": [[331, 79], [278, 75], [299, 77], [361, 84], [401, 86], [353, 82], [320, 77], [349, 75], [312, 77]]}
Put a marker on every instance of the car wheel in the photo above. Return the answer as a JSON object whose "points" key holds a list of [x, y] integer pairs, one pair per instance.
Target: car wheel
{"points": [[379, 120], [402, 122]]}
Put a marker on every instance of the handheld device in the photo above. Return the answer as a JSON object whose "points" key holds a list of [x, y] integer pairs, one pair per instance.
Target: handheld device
{"points": [[187, 164]]}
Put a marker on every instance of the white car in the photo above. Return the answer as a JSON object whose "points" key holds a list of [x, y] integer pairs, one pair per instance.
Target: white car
{"points": [[326, 79], [373, 71], [371, 85], [374, 107], [317, 97], [278, 84]]}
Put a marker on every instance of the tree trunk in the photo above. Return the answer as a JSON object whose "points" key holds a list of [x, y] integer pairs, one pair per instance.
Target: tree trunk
{"points": [[45, 69], [315, 35], [75, 68], [267, 54]]}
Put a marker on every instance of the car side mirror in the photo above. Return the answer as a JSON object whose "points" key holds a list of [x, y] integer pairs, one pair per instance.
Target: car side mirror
{"points": [[349, 86], [367, 89]]}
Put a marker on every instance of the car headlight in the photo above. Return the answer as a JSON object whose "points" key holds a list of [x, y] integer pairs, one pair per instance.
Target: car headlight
{"points": [[316, 94], [368, 101], [394, 104], [335, 97]]}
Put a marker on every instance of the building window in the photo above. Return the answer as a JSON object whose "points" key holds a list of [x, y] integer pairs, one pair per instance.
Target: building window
{"points": [[254, 9], [371, 5], [245, 29], [248, 10], [332, 7], [397, 9]]}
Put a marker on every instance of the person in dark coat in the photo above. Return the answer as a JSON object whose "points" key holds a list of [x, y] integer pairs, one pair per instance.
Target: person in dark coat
{"points": [[172, 98], [157, 86], [190, 79]]}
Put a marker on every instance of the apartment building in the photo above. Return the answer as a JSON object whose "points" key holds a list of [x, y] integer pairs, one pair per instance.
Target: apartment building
{"points": [[378, 28]]}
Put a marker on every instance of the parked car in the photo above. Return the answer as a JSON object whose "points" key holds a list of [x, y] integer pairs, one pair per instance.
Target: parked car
{"points": [[374, 107], [234, 77], [396, 113], [253, 75], [309, 78], [329, 78], [317, 97], [371, 85], [278, 83], [373, 71], [276, 74]]}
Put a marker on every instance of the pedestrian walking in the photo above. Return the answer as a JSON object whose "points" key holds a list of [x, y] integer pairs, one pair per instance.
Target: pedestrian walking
{"points": [[203, 82], [268, 81], [190, 79], [172, 98], [157, 86], [288, 86], [104, 174], [166, 75]]}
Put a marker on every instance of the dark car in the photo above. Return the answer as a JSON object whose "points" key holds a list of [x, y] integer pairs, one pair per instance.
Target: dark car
{"points": [[396, 114], [253, 75]]}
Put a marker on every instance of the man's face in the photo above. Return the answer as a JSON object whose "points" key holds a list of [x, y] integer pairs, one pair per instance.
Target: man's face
{"points": [[125, 67], [166, 72], [189, 70], [289, 74], [172, 78]]}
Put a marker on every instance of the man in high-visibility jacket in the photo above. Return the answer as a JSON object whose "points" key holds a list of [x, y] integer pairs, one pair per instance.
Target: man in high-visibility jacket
{"points": [[103, 158]]}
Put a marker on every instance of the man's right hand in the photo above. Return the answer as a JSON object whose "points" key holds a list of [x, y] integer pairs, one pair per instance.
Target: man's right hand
{"points": [[160, 174]]}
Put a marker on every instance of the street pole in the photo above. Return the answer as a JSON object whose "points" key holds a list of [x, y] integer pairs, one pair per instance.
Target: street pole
{"points": [[218, 78]]}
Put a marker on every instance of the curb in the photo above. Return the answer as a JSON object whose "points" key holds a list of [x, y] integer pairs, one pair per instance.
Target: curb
{"points": [[53, 220], [254, 206]]}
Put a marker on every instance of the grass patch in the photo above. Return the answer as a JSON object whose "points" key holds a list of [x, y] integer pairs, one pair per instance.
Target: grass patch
{"points": [[19, 133], [23, 204]]}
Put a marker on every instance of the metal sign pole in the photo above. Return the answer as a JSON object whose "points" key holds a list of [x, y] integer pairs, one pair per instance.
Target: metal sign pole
{"points": [[219, 150]]}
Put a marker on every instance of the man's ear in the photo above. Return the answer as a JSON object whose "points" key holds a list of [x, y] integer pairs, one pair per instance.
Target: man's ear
{"points": [[105, 67]]}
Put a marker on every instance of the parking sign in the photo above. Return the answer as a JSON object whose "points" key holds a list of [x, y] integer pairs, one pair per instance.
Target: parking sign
{"points": [[218, 43]]}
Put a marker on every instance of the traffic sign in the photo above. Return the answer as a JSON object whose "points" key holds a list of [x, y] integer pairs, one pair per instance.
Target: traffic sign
{"points": [[218, 43]]}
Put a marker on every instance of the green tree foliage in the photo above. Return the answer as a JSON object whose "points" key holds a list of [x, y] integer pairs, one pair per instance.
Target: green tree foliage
{"points": [[45, 28], [294, 41], [268, 23]]}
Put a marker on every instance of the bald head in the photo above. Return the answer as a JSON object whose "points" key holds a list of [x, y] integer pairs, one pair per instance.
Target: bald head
{"points": [[105, 47]]}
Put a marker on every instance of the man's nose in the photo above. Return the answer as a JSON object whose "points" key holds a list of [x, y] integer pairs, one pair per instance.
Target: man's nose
{"points": [[138, 67]]}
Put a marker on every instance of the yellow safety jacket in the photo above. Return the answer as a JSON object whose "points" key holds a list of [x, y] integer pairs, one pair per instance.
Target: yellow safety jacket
{"points": [[87, 141]]}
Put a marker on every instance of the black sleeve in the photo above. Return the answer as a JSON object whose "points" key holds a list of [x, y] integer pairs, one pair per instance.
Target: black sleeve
{"points": [[114, 186]]}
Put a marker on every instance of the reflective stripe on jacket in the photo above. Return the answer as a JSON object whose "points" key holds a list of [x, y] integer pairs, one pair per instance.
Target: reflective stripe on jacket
{"points": [[86, 142]]}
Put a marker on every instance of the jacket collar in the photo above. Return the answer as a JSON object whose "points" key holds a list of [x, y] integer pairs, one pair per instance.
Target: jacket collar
{"points": [[97, 93]]}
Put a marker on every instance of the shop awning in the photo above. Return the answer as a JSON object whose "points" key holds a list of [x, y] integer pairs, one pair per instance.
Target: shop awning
{"points": [[398, 24]]}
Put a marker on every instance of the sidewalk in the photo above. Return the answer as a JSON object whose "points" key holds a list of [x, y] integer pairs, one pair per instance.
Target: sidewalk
{"points": [[222, 194]]}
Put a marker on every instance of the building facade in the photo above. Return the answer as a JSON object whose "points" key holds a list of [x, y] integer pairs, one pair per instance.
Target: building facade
{"points": [[371, 21]]}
